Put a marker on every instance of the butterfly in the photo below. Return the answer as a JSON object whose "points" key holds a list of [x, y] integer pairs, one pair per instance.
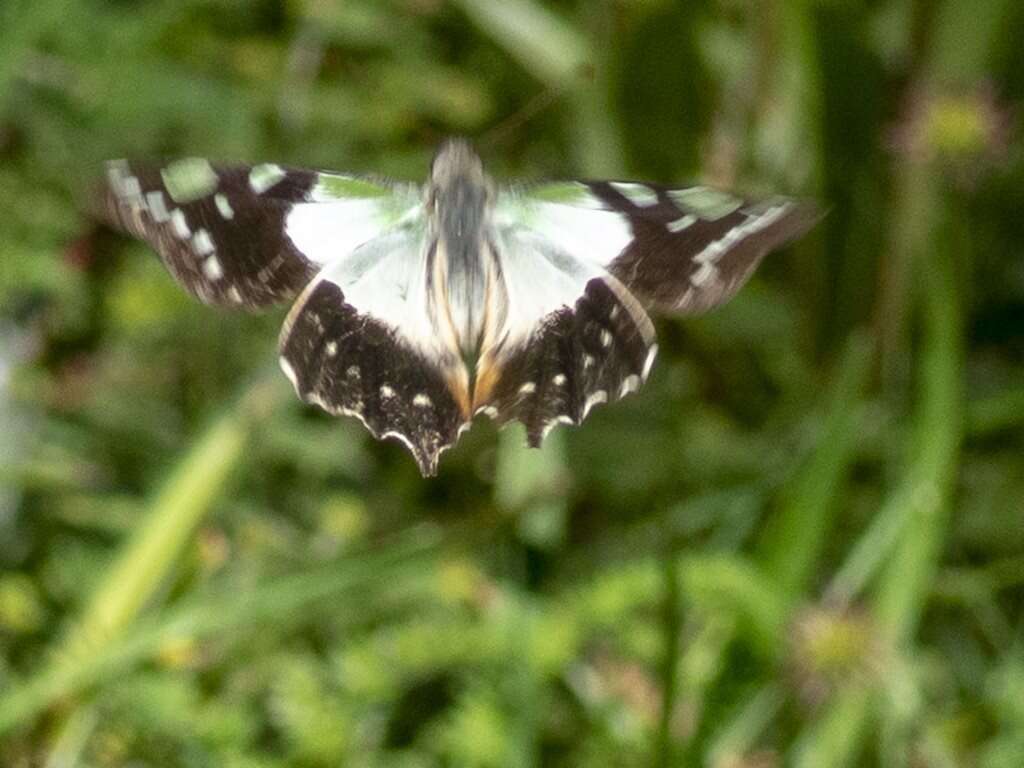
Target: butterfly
{"points": [[418, 307]]}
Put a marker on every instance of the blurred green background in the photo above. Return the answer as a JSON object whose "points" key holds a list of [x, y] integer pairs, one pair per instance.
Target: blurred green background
{"points": [[801, 544]]}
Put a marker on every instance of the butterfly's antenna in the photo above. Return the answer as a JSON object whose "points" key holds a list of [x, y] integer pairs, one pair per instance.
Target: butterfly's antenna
{"points": [[537, 104]]}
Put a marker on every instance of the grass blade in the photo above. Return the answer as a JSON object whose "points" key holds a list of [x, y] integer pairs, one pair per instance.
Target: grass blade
{"points": [[794, 540]]}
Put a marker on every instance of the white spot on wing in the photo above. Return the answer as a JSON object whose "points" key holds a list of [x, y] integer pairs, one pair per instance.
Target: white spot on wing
{"points": [[180, 224], [713, 251], [117, 170], [263, 177], [201, 243], [563, 419], [606, 338], [190, 179], [386, 392], [132, 189], [637, 194], [234, 295], [422, 401], [630, 384], [528, 388], [487, 410], [682, 223], [157, 206], [701, 276], [754, 224], [331, 348], [212, 268], [224, 206], [559, 379], [709, 204]]}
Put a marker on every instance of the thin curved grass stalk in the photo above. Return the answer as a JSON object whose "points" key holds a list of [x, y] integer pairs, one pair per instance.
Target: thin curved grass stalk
{"points": [[147, 558], [797, 535], [145, 561]]}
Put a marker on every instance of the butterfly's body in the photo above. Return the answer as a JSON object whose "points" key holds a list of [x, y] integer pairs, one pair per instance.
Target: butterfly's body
{"points": [[419, 308], [460, 208]]}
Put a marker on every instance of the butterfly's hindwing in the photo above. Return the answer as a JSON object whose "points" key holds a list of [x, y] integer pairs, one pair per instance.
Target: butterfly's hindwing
{"points": [[250, 236], [598, 351], [351, 363]]}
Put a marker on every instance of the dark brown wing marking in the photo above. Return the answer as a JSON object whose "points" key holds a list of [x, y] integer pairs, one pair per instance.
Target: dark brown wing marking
{"points": [[352, 364], [599, 351], [693, 248], [221, 232]]}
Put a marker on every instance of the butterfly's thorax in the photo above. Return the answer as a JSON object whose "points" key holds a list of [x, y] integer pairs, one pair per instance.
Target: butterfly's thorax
{"points": [[462, 272]]}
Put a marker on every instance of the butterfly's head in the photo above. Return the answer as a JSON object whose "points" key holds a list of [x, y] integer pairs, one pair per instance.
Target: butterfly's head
{"points": [[456, 164], [459, 194]]}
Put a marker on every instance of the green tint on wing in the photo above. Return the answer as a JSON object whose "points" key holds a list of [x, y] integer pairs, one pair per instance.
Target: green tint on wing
{"points": [[570, 217], [704, 202], [336, 186], [388, 203], [564, 192]]}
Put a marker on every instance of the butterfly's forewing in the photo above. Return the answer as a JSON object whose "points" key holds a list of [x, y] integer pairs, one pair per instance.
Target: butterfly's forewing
{"points": [[248, 235], [680, 250], [360, 341]]}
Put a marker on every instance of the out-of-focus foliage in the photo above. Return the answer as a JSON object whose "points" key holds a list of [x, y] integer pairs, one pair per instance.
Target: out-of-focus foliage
{"points": [[802, 543]]}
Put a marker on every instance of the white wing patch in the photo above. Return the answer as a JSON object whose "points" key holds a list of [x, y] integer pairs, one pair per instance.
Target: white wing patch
{"points": [[386, 279], [263, 177], [540, 277], [638, 194], [345, 212], [571, 218]]}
